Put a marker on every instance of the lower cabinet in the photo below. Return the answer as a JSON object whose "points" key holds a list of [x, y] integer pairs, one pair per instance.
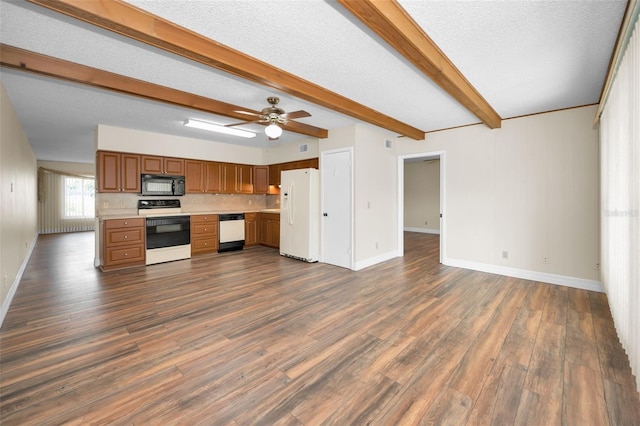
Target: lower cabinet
{"points": [[251, 229], [270, 229], [123, 243], [204, 233]]}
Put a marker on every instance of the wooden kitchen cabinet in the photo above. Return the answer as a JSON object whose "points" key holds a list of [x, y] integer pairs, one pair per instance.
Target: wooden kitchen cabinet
{"points": [[251, 229], [202, 177], [204, 233], [118, 172], [276, 169], [270, 230], [237, 178], [260, 179], [151, 164], [123, 243]]}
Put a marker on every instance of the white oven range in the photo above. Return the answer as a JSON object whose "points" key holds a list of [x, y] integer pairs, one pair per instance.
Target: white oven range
{"points": [[168, 232]]}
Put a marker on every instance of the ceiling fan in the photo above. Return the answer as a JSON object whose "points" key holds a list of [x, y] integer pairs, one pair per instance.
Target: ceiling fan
{"points": [[275, 116]]}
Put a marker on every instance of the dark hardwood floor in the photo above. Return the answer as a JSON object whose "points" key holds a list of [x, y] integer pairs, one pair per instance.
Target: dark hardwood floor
{"points": [[255, 338]]}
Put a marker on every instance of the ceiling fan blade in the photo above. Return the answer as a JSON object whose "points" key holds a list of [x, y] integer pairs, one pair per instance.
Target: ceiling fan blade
{"points": [[243, 122], [295, 114], [253, 114]]}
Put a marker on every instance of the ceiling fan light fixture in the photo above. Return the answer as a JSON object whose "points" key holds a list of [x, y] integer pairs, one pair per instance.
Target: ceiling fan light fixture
{"points": [[212, 127], [273, 130]]}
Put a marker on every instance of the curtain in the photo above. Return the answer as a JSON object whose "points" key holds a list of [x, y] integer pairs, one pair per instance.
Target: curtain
{"points": [[620, 200], [58, 210]]}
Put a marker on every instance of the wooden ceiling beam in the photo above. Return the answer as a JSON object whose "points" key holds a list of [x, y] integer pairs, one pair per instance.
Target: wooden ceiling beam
{"points": [[16, 58], [391, 22], [135, 23]]}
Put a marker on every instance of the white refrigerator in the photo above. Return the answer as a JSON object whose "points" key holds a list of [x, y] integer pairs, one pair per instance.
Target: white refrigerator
{"points": [[300, 214]]}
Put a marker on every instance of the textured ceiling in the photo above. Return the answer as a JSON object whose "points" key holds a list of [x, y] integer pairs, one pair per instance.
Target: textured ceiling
{"points": [[523, 57]]}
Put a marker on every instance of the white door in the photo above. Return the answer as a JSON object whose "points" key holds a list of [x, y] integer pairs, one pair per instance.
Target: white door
{"points": [[337, 220]]}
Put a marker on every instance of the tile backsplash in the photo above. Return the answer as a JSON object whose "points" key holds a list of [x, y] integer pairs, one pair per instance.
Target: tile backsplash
{"points": [[125, 203]]}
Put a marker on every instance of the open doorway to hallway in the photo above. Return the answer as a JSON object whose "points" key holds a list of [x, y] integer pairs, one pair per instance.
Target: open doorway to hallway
{"points": [[421, 196]]}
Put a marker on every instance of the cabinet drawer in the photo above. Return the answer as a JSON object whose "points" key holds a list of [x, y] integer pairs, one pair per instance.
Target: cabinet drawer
{"points": [[124, 236], [200, 245], [250, 216], [204, 218], [208, 229], [121, 255], [123, 223], [270, 216]]}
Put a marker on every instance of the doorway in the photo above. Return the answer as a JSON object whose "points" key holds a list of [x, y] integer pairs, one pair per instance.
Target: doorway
{"points": [[426, 156], [336, 224]]}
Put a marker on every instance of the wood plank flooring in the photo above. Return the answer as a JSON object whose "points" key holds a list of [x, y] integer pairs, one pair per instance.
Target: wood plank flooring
{"points": [[255, 338]]}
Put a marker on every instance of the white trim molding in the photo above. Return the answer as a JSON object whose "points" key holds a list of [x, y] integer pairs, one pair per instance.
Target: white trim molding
{"points": [[16, 281], [375, 260], [564, 280]]}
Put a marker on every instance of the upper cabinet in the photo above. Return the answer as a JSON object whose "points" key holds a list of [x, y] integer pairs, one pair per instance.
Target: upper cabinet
{"points": [[260, 179], [276, 169], [202, 176], [162, 165], [237, 178], [118, 172]]}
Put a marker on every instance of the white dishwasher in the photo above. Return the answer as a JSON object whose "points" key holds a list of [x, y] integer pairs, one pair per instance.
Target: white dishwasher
{"points": [[231, 231]]}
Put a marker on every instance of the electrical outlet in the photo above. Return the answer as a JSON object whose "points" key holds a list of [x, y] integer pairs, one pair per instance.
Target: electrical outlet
{"points": [[376, 244], [505, 254], [597, 266], [426, 222], [545, 260], [122, 204], [105, 205]]}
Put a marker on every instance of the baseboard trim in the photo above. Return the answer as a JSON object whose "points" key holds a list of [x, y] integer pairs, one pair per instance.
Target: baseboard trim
{"points": [[16, 282], [375, 260], [422, 230], [544, 277]]}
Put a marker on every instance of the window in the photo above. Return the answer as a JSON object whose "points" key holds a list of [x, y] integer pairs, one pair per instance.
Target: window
{"points": [[79, 197]]}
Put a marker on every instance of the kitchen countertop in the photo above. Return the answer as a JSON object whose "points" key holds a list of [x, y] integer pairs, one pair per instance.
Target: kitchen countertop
{"points": [[135, 215]]}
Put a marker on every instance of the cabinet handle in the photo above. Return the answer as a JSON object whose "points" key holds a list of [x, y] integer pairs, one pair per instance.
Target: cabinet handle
{"points": [[126, 254], [125, 237], [126, 223]]}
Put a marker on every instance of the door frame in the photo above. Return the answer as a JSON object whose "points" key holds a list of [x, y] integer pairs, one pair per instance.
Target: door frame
{"points": [[323, 155], [441, 155]]}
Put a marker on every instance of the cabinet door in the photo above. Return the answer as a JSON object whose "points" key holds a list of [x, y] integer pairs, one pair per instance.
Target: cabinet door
{"points": [[212, 177], [108, 171], [244, 176], [274, 233], [250, 232], [228, 178], [274, 174], [173, 166], [264, 231], [260, 179], [151, 164], [194, 176], [130, 177]]}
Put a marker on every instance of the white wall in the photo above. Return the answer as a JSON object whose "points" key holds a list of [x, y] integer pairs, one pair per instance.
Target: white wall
{"points": [[291, 152], [135, 141], [529, 189], [422, 196], [18, 205], [376, 198]]}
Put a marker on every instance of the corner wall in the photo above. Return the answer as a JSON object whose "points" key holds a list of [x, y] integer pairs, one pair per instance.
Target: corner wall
{"points": [[18, 204], [522, 200]]}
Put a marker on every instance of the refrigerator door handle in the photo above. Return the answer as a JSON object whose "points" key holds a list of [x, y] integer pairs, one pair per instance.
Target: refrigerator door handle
{"points": [[290, 211]]}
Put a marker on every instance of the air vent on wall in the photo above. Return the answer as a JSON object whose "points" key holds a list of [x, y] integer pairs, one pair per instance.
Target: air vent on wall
{"points": [[388, 143], [303, 148]]}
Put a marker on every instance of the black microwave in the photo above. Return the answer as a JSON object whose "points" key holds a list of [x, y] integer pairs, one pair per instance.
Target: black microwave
{"points": [[162, 185]]}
